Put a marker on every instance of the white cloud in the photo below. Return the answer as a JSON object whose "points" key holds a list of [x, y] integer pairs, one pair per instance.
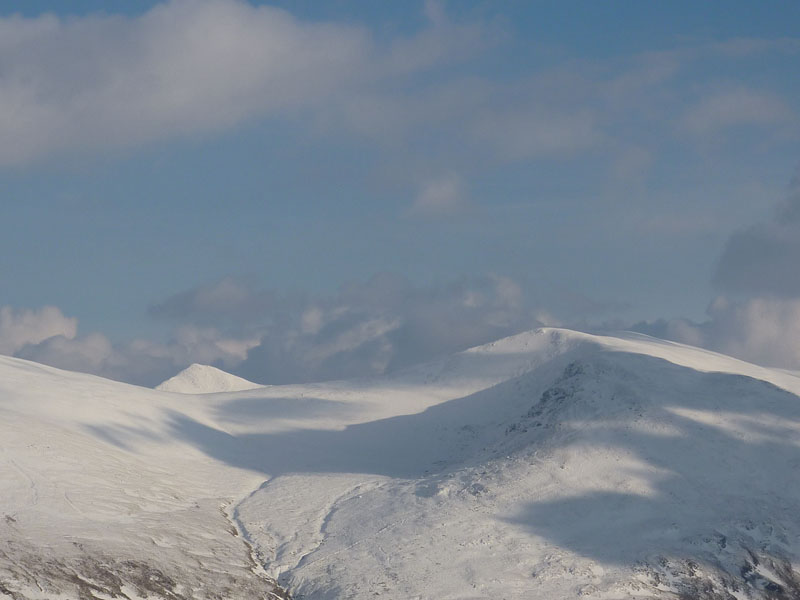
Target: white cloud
{"points": [[92, 353], [311, 321], [21, 327], [194, 67], [760, 265], [442, 42], [207, 345], [365, 328], [724, 109], [444, 195], [536, 132], [227, 296], [48, 337], [186, 66], [763, 330]]}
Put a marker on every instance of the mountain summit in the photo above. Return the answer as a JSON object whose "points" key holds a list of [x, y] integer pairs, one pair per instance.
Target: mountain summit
{"points": [[205, 379]]}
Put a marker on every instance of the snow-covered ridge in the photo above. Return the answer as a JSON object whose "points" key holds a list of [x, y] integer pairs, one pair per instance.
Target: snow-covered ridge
{"points": [[552, 464], [205, 379]]}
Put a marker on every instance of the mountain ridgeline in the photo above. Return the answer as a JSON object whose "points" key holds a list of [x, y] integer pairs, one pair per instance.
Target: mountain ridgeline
{"points": [[552, 464]]}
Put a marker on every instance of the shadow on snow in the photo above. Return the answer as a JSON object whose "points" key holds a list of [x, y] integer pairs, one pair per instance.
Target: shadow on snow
{"points": [[701, 465]]}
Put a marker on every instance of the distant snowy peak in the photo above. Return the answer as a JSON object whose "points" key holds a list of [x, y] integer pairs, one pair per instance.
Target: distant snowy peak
{"points": [[205, 379]]}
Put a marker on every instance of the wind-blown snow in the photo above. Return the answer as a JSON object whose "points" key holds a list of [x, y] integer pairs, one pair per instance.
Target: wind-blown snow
{"points": [[552, 464], [205, 379]]}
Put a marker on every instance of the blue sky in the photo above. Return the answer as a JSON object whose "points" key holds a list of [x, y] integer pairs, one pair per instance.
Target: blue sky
{"points": [[335, 189]]}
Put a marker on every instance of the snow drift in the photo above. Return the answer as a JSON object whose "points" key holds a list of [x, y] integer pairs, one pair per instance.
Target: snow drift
{"points": [[552, 464]]}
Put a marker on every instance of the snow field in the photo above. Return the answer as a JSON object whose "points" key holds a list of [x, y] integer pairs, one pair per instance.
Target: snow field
{"points": [[552, 464]]}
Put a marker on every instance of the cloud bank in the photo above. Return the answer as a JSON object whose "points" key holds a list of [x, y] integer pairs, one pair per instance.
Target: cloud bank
{"points": [[23, 327], [759, 317], [365, 328], [765, 331]]}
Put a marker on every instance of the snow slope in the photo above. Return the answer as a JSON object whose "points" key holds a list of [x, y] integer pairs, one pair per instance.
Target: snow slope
{"points": [[205, 379], [552, 464], [85, 515]]}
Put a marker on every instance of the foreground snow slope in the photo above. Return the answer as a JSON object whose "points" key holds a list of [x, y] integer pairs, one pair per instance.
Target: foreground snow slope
{"points": [[552, 464], [84, 515]]}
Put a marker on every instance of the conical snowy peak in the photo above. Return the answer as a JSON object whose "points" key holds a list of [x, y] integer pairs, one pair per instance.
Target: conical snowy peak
{"points": [[205, 379]]}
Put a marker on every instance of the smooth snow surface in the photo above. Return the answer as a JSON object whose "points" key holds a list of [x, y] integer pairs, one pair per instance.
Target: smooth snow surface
{"points": [[205, 379], [552, 464]]}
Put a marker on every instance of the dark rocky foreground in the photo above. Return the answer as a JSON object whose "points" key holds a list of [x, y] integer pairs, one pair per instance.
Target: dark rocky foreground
{"points": [[760, 576], [28, 573]]}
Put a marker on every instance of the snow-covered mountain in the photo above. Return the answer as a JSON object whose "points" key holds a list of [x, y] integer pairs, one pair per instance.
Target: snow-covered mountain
{"points": [[552, 464], [205, 379]]}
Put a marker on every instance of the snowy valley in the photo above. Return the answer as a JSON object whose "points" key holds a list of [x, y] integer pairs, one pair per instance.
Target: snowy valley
{"points": [[552, 464]]}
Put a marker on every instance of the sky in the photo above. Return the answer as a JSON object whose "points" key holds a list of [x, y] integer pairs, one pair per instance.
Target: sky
{"points": [[297, 191]]}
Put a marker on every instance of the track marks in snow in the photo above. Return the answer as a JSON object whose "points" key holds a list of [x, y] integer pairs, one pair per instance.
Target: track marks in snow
{"points": [[31, 483], [288, 518], [327, 515], [237, 529], [72, 505]]}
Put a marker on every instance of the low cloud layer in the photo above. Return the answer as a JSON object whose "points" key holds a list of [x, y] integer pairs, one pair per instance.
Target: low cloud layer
{"points": [[758, 318], [366, 328], [765, 331], [23, 327], [141, 362]]}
